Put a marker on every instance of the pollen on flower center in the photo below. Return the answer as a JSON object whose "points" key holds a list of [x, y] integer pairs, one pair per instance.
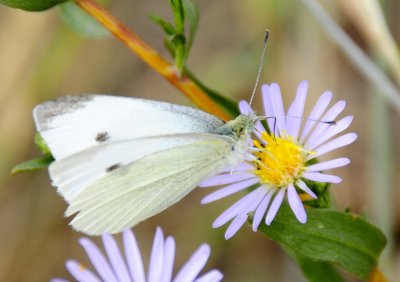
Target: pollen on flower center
{"points": [[280, 161]]}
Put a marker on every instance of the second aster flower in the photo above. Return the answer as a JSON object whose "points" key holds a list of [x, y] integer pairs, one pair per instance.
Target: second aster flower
{"points": [[279, 159]]}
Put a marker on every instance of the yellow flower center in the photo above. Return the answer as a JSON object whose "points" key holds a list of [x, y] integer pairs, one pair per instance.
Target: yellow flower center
{"points": [[280, 162]]}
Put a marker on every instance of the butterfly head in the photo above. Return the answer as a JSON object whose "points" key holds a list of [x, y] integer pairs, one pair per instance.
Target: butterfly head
{"points": [[240, 127]]}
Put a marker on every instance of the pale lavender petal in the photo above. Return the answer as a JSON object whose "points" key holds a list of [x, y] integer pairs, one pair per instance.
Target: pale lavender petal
{"points": [[156, 257], [99, 262], [114, 255], [296, 204], [235, 225], [226, 178], [268, 106], [276, 204], [277, 103], [330, 115], [339, 162], [242, 216], [305, 188], [194, 265], [133, 256], [339, 142], [235, 209], [169, 258], [331, 131], [58, 280], [261, 210], [322, 177], [243, 166], [296, 110], [245, 109], [80, 272], [213, 275], [316, 113], [228, 190]]}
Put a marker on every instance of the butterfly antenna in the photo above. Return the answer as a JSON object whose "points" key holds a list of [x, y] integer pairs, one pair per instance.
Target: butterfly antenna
{"points": [[260, 66]]}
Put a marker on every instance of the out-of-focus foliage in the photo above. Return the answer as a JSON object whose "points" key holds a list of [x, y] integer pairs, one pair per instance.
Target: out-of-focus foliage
{"points": [[80, 22], [32, 5], [177, 40]]}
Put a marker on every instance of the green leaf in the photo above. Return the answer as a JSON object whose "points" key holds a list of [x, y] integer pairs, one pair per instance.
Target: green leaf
{"points": [[168, 28], [317, 271], [191, 12], [34, 164], [179, 16], [39, 142], [331, 236], [81, 22], [31, 5]]}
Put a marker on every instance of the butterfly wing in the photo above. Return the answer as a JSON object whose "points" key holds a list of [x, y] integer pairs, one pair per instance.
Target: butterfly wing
{"points": [[121, 160], [134, 192], [72, 124]]}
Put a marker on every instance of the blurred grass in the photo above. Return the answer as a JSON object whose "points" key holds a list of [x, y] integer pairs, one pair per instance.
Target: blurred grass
{"points": [[40, 59]]}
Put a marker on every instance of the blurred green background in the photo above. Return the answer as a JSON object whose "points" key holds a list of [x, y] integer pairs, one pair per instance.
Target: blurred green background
{"points": [[41, 58]]}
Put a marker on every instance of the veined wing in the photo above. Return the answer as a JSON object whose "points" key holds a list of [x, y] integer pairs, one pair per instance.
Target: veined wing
{"points": [[144, 188], [74, 173], [72, 124]]}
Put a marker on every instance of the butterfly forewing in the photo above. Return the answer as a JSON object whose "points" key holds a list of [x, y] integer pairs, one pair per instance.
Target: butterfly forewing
{"points": [[72, 124]]}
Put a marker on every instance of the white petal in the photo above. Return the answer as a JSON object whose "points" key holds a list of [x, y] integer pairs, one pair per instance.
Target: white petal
{"points": [[296, 204], [276, 204], [296, 110], [133, 256], [304, 187], [194, 265], [229, 190], [114, 255], [316, 113], [322, 177], [339, 142], [339, 162]]}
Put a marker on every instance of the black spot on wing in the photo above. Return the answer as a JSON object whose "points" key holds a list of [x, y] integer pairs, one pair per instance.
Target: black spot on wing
{"points": [[113, 167], [102, 137]]}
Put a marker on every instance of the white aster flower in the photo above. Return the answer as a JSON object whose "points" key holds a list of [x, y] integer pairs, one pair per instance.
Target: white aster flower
{"points": [[279, 161], [130, 267]]}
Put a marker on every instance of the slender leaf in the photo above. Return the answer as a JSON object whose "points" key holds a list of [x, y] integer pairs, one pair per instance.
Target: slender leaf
{"points": [[191, 12], [34, 164], [31, 5], [331, 236]]}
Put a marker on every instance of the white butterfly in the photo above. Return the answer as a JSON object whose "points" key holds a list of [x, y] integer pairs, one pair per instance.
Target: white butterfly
{"points": [[121, 160]]}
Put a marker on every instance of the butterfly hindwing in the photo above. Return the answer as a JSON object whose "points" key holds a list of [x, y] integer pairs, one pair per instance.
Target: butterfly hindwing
{"points": [[144, 188]]}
